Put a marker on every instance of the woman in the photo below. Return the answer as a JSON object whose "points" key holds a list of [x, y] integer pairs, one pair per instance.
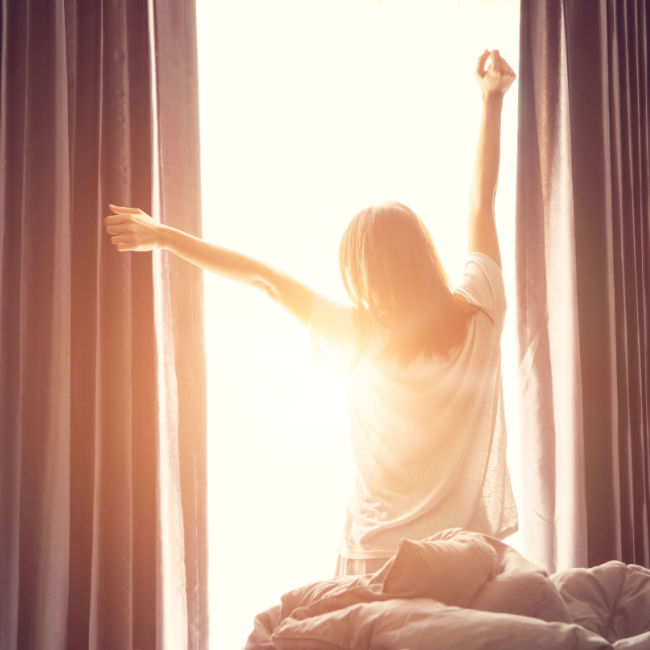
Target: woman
{"points": [[422, 362]]}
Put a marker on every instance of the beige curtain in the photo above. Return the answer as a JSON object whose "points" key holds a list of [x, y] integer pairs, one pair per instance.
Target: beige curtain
{"points": [[102, 518], [583, 256]]}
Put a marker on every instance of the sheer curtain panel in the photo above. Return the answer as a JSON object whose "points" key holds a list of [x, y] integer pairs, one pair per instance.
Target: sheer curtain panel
{"points": [[102, 523], [583, 269]]}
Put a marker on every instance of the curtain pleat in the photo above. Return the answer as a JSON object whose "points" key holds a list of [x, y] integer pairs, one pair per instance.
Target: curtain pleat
{"points": [[177, 146], [630, 234], [81, 409], [550, 379], [583, 288]]}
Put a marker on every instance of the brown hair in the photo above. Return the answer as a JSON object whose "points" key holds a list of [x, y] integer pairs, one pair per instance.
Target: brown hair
{"points": [[394, 277]]}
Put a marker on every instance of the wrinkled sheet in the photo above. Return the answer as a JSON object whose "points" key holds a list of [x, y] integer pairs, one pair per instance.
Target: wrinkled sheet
{"points": [[467, 591]]}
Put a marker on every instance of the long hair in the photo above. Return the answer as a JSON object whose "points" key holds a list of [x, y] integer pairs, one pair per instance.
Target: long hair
{"points": [[394, 277]]}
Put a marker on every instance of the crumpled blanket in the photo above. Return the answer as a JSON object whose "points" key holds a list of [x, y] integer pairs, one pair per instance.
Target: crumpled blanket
{"points": [[459, 589]]}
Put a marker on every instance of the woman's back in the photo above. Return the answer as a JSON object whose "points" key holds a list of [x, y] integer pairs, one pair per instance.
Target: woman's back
{"points": [[429, 435]]}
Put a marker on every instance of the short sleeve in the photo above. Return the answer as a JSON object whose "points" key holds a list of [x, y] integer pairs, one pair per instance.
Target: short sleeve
{"points": [[482, 285], [333, 333]]}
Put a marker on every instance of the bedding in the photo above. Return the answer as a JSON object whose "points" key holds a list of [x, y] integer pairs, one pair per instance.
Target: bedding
{"points": [[463, 590]]}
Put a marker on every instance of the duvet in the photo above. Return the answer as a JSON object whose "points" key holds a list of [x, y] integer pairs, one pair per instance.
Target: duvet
{"points": [[464, 591]]}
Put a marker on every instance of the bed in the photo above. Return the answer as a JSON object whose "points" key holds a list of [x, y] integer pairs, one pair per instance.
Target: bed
{"points": [[463, 590]]}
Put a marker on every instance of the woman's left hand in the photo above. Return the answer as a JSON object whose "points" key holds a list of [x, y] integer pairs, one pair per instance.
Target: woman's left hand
{"points": [[131, 229], [493, 74]]}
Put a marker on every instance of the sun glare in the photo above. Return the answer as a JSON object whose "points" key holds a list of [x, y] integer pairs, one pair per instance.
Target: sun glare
{"points": [[310, 111]]}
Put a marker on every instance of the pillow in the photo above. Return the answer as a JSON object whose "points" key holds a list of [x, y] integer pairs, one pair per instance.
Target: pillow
{"points": [[520, 587], [423, 624], [449, 570], [526, 594], [612, 599]]}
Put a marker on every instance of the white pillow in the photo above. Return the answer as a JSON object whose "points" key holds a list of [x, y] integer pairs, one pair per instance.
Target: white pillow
{"points": [[449, 570]]}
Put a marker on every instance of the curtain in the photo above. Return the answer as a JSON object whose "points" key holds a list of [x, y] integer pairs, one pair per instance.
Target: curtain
{"points": [[102, 521], [583, 269], [177, 194]]}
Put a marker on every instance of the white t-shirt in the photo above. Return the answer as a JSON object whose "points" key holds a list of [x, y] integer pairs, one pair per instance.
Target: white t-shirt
{"points": [[429, 437]]}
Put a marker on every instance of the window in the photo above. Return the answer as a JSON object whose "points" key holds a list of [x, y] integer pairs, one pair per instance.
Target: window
{"points": [[311, 110]]}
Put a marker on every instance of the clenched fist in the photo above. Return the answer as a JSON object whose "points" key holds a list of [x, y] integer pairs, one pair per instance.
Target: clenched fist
{"points": [[493, 74]]}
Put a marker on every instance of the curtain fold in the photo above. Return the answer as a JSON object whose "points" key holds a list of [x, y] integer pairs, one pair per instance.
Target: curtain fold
{"points": [[583, 268], [177, 192], [82, 413]]}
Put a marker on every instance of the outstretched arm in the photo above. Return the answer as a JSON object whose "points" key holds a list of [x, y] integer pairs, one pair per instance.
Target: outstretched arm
{"points": [[494, 77], [132, 229]]}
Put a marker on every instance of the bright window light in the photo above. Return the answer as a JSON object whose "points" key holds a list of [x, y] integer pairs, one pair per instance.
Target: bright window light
{"points": [[310, 111]]}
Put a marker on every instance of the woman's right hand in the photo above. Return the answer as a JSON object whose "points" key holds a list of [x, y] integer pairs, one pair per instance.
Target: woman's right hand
{"points": [[131, 229], [493, 74]]}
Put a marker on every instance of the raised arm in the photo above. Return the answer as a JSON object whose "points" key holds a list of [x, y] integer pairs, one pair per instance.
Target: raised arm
{"points": [[131, 229], [494, 77]]}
